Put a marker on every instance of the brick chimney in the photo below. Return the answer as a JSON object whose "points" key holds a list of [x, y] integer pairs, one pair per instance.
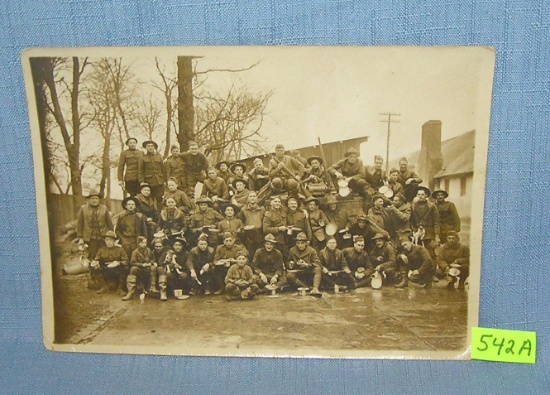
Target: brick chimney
{"points": [[431, 158]]}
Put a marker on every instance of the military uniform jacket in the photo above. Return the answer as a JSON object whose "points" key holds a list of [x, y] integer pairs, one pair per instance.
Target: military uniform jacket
{"points": [[107, 255], [401, 218], [404, 176], [396, 188], [236, 273], [272, 220], [175, 168], [333, 260], [173, 220], [198, 258], [84, 222], [226, 176], [357, 259], [459, 253], [148, 206], [426, 215], [268, 263], [318, 230], [338, 217], [375, 177], [129, 159], [131, 225], [217, 187], [384, 256], [308, 255], [194, 164], [182, 200], [224, 252], [295, 166], [258, 178], [348, 169], [241, 197], [316, 175], [419, 259], [381, 217], [151, 169], [299, 220], [448, 217], [140, 256], [252, 215], [208, 218], [232, 225]]}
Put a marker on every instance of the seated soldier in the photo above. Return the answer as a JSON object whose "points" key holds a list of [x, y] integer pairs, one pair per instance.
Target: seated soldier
{"points": [[130, 225], [384, 259], [223, 171], [258, 177], [351, 168], [178, 278], [296, 221], [268, 265], [239, 281], [417, 261], [286, 170], [367, 228], [318, 220], [112, 262], [215, 187], [239, 171], [335, 267], [203, 220], [183, 203], [230, 223], [338, 216], [316, 173], [304, 266], [454, 254], [274, 222], [252, 215], [359, 262], [224, 257], [379, 213], [142, 269], [241, 192], [400, 217], [165, 265], [409, 179], [172, 220], [199, 261], [148, 207], [375, 175], [394, 184]]}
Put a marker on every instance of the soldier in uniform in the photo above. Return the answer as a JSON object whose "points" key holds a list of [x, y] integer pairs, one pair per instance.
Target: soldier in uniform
{"points": [[359, 262], [183, 203], [315, 173], [258, 177], [274, 222], [296, 155], [205, 216], [223, 171], [351, 167], [400, 216], [152, 171], [417, 260], [409, 179], [457, 255], [425, 215], [304, 266], [296, 220], [239, 281], [375, 175], [335, 267], [175, 167], [268, 266], [336, 215], [215, 187], [224, 257], [177, 276], [393, 182], [448, 216], [252, 215], [241, 192], [380, 214], [286, 170], [230, 222], [199, 262], [318, 220], [128, 161], [111, 262], [92, 223], [172, 220], [142, 269], [383, 257], [367, 228], [239, 171], [196, 166], [130, 225], [148, 207]]}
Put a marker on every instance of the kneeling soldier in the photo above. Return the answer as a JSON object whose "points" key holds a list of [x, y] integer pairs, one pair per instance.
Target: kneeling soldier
{"points": [[224, 257], [383, 256], [359, 263], [178, 277], [335, 267], [304, 265], [142, 268], [239, 282], [416, 259], [112, 263], [199, 261], [454, 254], [268, 265]]}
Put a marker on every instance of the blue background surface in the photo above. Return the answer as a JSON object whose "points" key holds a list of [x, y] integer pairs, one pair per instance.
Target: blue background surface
{"points": [[515, 275]]}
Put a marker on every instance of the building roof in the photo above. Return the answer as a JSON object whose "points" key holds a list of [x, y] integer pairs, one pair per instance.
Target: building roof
{"points": [[457, 152]]}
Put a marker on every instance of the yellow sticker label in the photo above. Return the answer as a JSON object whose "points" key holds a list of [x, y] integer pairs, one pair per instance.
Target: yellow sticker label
{"points": [[502, 345]]}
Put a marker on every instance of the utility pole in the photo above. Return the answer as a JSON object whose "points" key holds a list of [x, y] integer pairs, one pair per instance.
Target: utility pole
{"points": [[389, 121]]}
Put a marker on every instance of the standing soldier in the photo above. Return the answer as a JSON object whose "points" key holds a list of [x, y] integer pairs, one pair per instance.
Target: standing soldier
{"points": [[152, 171], [92, 223], [196, 166], [275, 223], [148, 207], [408, 178], [448, 216], [175, 167], [130, 225], [425, 218], [304, 266], [286, 170], [129, 159]]}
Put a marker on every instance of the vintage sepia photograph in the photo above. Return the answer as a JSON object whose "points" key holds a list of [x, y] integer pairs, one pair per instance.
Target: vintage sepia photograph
{"points": [[260, 201]]}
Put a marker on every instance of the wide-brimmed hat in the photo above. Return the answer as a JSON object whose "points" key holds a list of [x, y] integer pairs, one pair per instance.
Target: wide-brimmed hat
{"points": [[311, 199], [445, 193], [94, 192], [312, 158], [144, 144], [130, 198], [379, 236], [425, 189], [218, 165], [130, 138], [143, 185], [234, 182], [235, 207], [351, 151], [205, 199], [269, 237], [110, 234], [232, 167], [301, 237]]}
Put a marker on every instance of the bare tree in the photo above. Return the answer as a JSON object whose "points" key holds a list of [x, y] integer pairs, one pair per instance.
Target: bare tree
{"points": [[148, 118], [170, 104], [186, 109]]}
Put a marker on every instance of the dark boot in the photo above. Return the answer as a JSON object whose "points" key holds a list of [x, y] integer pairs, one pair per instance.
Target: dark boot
{"points": [[103, 288], [120, 289], [131, 285], [404, 283], [162, 286], [451, 284]]}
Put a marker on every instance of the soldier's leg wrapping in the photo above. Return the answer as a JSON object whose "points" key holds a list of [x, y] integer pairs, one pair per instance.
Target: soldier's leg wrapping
{"points": [[317, 276]]}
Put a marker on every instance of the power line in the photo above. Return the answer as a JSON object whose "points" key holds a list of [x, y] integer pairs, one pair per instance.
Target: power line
{"points": [[389, 121]]}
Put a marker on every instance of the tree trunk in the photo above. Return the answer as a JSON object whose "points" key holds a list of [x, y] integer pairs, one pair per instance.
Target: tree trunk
{"points": [[186, 111]]}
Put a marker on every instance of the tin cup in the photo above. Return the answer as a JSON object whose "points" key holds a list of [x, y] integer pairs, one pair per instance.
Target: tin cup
{"points": [[336, 288], [178, 292]]}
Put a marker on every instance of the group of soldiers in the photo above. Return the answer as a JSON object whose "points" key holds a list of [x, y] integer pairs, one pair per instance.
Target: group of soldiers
{"points": [[191, 229]]}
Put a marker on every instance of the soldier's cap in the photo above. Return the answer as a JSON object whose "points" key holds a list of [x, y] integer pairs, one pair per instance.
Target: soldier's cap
{"points": [[130, 139], [173, 180], [358, 238], [141, 238], [180, 239], [110, 234], [453, 233], [301, 237], [258, 160], [425, 189], [234, 182], [394, 170], [311, 199], [377, 196], [234, 165], [202, 237], [331, 199], [144, 144], [435, 193], [270, 238], [143, 185], [279, 146], [379, 236], [128, 199], [94, 192], [312, 158], [241, 253], [351, 151], [362, 217], [206, 200], [218, 165], [401, 197], [228, 235]]}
